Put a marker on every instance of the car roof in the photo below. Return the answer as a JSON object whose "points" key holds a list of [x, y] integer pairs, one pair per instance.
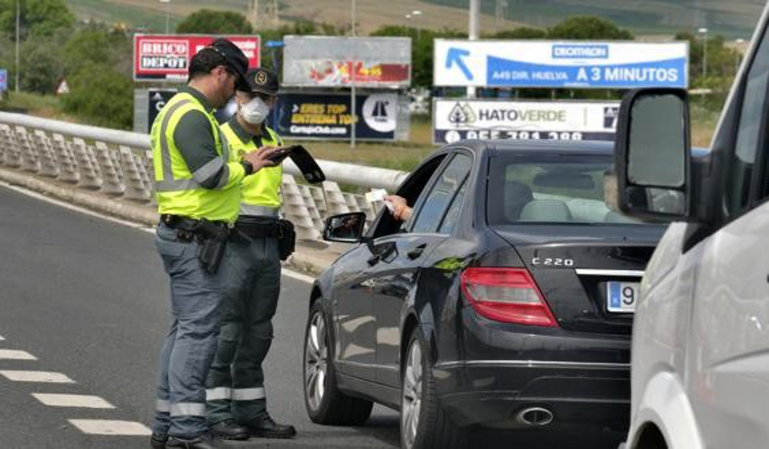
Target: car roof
{"points": [[586, 147], [537, 146]]}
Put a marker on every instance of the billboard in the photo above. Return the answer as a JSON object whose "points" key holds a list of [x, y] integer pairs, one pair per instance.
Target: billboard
{"points": [[462, 118], [327, 116], [157, 99], [522, 64], [164, 57], [374, 62]]}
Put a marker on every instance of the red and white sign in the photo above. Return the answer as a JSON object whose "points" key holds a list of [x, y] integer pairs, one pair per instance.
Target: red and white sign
{"points": [[163, 57]]}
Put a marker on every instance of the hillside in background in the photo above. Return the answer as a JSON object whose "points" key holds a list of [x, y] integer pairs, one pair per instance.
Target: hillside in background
{"points": [[732, 18]]}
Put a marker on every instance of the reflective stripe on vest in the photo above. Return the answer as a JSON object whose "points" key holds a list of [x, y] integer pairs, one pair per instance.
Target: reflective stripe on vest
{"points": [[261, 191], [261, 211]]}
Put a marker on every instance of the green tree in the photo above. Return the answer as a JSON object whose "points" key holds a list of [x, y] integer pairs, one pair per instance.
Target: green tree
{"points": [[520, 33], [101, 95], [207, 21], [42, 63], [588, 28], [37, 17], [98, 45]]}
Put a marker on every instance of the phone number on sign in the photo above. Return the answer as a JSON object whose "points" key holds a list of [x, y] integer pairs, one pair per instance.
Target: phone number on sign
{"points": [[453, 136]]}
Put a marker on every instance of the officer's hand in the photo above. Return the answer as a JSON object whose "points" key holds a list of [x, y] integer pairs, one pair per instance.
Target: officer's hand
{"points": [[260, 159]]}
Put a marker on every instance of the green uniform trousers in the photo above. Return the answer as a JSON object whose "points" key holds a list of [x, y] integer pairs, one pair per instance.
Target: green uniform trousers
{"points": [[251, 283]]}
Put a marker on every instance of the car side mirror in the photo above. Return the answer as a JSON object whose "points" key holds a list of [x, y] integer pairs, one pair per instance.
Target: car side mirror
{"points": [[345, 228], [653, 155]]}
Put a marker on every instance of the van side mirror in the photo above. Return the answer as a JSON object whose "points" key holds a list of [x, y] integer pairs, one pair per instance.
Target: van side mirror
{"points": [[345, 228], [653, 155]]}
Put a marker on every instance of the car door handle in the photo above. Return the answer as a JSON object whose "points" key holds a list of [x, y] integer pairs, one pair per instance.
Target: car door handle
{"points": [[416, 252]]}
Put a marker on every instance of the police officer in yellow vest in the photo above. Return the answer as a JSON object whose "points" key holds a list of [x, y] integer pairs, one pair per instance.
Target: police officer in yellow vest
{"points": [[237, 407], [198, 196]]}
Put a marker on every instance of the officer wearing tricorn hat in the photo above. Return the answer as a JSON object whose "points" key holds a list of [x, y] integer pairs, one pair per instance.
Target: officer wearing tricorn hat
{"points": [[197, 188], [236, 397]]}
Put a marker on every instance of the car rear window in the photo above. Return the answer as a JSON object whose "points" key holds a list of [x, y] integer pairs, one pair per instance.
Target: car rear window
{"points": [[550, 189]]}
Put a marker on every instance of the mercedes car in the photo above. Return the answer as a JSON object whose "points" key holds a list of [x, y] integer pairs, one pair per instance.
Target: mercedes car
{"points": [[504, 302]]}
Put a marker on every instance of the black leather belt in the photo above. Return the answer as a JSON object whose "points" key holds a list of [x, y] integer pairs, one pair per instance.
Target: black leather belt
{"points": [[258, 227], [187, 224]]}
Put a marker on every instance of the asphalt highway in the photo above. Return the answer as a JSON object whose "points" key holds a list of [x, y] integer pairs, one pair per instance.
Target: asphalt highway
{"points": [[87, 299], [83, 311]]}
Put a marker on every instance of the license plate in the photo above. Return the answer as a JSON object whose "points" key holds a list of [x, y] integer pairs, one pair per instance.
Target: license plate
{"points": [[622, 296]]}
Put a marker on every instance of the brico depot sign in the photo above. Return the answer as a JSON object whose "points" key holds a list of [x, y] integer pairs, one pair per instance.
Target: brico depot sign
{"points": [[165, 57]]}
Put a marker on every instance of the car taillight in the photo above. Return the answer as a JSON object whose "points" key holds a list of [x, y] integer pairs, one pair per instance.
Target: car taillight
{"points": [[506, 294]]}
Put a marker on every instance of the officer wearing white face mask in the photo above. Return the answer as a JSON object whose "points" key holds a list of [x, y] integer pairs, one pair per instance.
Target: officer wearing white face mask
{"points": [[236, 400]]}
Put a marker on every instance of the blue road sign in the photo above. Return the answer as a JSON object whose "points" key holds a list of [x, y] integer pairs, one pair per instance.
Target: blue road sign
{"points": [[540, 64]]}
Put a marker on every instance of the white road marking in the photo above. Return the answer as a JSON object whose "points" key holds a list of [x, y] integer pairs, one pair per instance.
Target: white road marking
{"points": [[72, 207], [2, 338], [10, 354], [292, 274], [106, 427], [298, 276], [37, 376], [72, 400]]}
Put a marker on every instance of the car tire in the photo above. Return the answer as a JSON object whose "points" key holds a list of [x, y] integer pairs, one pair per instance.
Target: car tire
{"points": [[433, 428], [324, 402]]}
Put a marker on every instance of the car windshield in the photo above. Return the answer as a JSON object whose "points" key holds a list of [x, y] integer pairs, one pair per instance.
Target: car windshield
{"points": [[550, 189]]}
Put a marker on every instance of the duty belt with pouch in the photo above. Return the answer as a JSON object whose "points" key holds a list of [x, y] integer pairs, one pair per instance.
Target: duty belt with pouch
{"points": [[211, 237], [283, 230]]}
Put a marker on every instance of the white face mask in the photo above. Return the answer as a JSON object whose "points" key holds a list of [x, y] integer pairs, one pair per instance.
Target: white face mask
{"points": [[255, 111]]}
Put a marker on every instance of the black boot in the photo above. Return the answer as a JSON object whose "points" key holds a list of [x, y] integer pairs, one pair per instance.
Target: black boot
{"points": [[229, 430], [158, 440], [206, 440], [267, 428]]}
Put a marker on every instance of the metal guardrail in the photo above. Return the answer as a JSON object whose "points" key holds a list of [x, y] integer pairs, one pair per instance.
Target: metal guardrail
{"points": [[119, 164]]}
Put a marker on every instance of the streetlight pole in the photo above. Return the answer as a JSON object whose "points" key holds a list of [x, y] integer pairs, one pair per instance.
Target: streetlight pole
{"points": [[475, 9], [704, 32], [18, 39], [416, 13], [168, 13], [353, 113]]}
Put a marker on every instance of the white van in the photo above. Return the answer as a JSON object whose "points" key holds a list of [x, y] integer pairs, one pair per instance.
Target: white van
{"points": [[700, 352]]}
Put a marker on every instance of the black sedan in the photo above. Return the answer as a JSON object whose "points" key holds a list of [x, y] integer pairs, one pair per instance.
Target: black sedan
{"points": [[505, 301]]}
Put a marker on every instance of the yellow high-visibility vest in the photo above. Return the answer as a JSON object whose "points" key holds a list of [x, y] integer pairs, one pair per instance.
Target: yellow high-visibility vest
{"points": [[177, 192], [260, 195]]}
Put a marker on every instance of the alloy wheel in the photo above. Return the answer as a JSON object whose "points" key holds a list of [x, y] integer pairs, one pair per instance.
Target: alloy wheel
{"points": [[316, 361], [412, 393]]}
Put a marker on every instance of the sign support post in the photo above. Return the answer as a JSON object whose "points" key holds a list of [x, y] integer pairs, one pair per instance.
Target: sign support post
{"points": [[353, 116]]}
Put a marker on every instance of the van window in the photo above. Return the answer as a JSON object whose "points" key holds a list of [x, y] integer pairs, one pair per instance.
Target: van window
{"points": [[748, 134]]}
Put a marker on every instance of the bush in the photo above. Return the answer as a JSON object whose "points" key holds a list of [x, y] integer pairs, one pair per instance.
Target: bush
{"points": [[102, 95]]}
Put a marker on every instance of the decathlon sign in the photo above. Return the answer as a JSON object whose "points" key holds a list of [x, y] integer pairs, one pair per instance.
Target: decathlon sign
{"points": [[165, 57], [599, 65], [459, 119]]}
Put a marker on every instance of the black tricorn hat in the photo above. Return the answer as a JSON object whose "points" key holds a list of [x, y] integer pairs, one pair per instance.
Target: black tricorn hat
{"points": [[263, 81], [235, 58]]}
